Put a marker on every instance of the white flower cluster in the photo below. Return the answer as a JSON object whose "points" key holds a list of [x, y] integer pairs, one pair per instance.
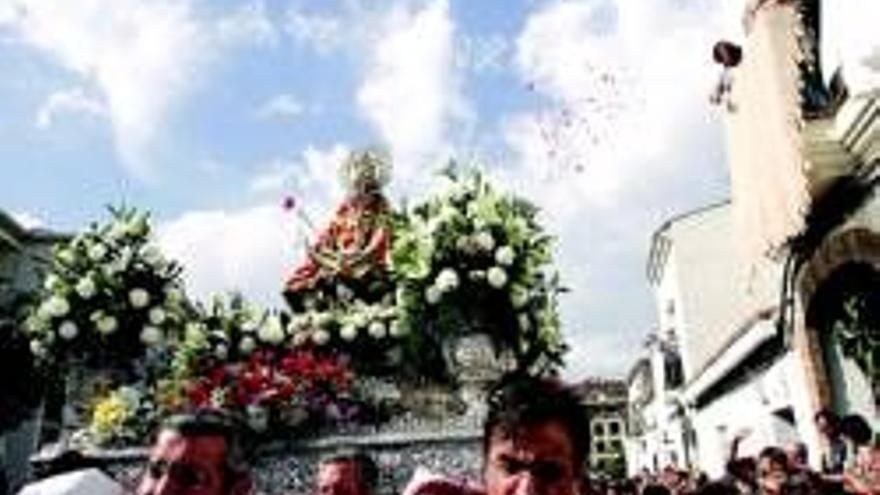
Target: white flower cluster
{"points": [[377, 321], [90, 289]]}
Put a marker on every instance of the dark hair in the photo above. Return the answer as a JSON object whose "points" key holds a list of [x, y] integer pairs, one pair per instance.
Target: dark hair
{"points": [[656, 489], [774, 455], [829, 416], [718, 488], [215, 423], [518, 401], [856, 428], [800, 451], [367, 469]]}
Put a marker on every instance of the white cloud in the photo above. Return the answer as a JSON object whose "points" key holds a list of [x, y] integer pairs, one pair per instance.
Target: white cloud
{"points": [[248, 24], [141, 56], [411, 92], [623, 139], [283, 107], [324, 32], [249, 250], [74, 100], [254, 249]]}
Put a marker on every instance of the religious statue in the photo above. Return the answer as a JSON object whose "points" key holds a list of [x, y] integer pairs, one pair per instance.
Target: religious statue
{"points": [[358, 237]]}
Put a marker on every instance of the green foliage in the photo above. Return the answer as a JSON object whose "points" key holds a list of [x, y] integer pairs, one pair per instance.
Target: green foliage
{"points": [[858, 333], [475, 259]]}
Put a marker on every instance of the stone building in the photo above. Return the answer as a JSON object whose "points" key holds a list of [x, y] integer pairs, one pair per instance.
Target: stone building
{"points": [[803, 126], [732, 358], [656, 425], [605, 400], [24, 254]]}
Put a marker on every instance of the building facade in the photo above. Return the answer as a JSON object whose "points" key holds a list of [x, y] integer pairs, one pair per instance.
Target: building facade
{"points": [[605, 401], [803, 129], [732, 358], [657, 430], [24, 254]]}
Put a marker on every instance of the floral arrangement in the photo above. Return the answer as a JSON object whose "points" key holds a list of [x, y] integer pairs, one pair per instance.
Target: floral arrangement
{"points": [[473, 259], [237, 356], [123, 416], [271, 387], [109, 295]]}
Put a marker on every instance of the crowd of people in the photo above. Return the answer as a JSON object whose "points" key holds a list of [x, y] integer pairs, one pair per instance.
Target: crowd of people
{"points": [[535, 442]]}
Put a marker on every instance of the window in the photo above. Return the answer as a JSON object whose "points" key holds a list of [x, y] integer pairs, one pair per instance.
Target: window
{"points": [[615, 427], [598, 429], [600, 447]]}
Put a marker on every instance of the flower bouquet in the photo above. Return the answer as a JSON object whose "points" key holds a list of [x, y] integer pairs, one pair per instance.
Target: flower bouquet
{"points": [[475, 260], [109, 297]]}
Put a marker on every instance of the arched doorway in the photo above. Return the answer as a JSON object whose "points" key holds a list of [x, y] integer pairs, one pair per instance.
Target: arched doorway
{"points": [[844, 311]]}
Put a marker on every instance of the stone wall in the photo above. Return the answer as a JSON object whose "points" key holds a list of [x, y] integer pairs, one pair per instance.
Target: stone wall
{"points": [[289, 468]]}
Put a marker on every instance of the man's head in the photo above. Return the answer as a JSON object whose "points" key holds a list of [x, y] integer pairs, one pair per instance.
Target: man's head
{"points": [[772, 470], [352, 473], [535, 439], [827, 422], [798, 455], [197, 454]]}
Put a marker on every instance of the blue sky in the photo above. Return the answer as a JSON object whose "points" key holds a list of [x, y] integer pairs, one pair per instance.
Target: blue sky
{"points": [[208, 113]]}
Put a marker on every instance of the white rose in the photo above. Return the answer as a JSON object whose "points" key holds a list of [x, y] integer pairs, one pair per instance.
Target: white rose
{"points": [[320, 337], [107, 325], [300, 338], [360, 320], [37, 348], [194, 331], [519, 296], [323, 319], [85, 287], [433, 294], [505, 255], [173, 295], [477, 275], [250, 325], [151, 335], [524, 322], [463, 243], [247, 345], [66, 256], [221, 352], [57, 306], [377, 330], [447, 280], [348, 333], [485, 241], [68, 330], [139, 298], [125, 257], [271, 332], [398, 329], [152, 255], [497, 277], [157, 316], [97, 251], [52, 282]]}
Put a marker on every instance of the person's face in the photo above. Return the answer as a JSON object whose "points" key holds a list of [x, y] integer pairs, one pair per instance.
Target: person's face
{"points": [[537, 460], [823, 425], [340, 478], [186, 466], [771, 476]]}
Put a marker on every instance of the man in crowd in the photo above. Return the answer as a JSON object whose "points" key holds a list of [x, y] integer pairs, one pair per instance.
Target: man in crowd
{"points": [[773, 471], [197, 454], [828, 424], [535, 439], [351, 473]]}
